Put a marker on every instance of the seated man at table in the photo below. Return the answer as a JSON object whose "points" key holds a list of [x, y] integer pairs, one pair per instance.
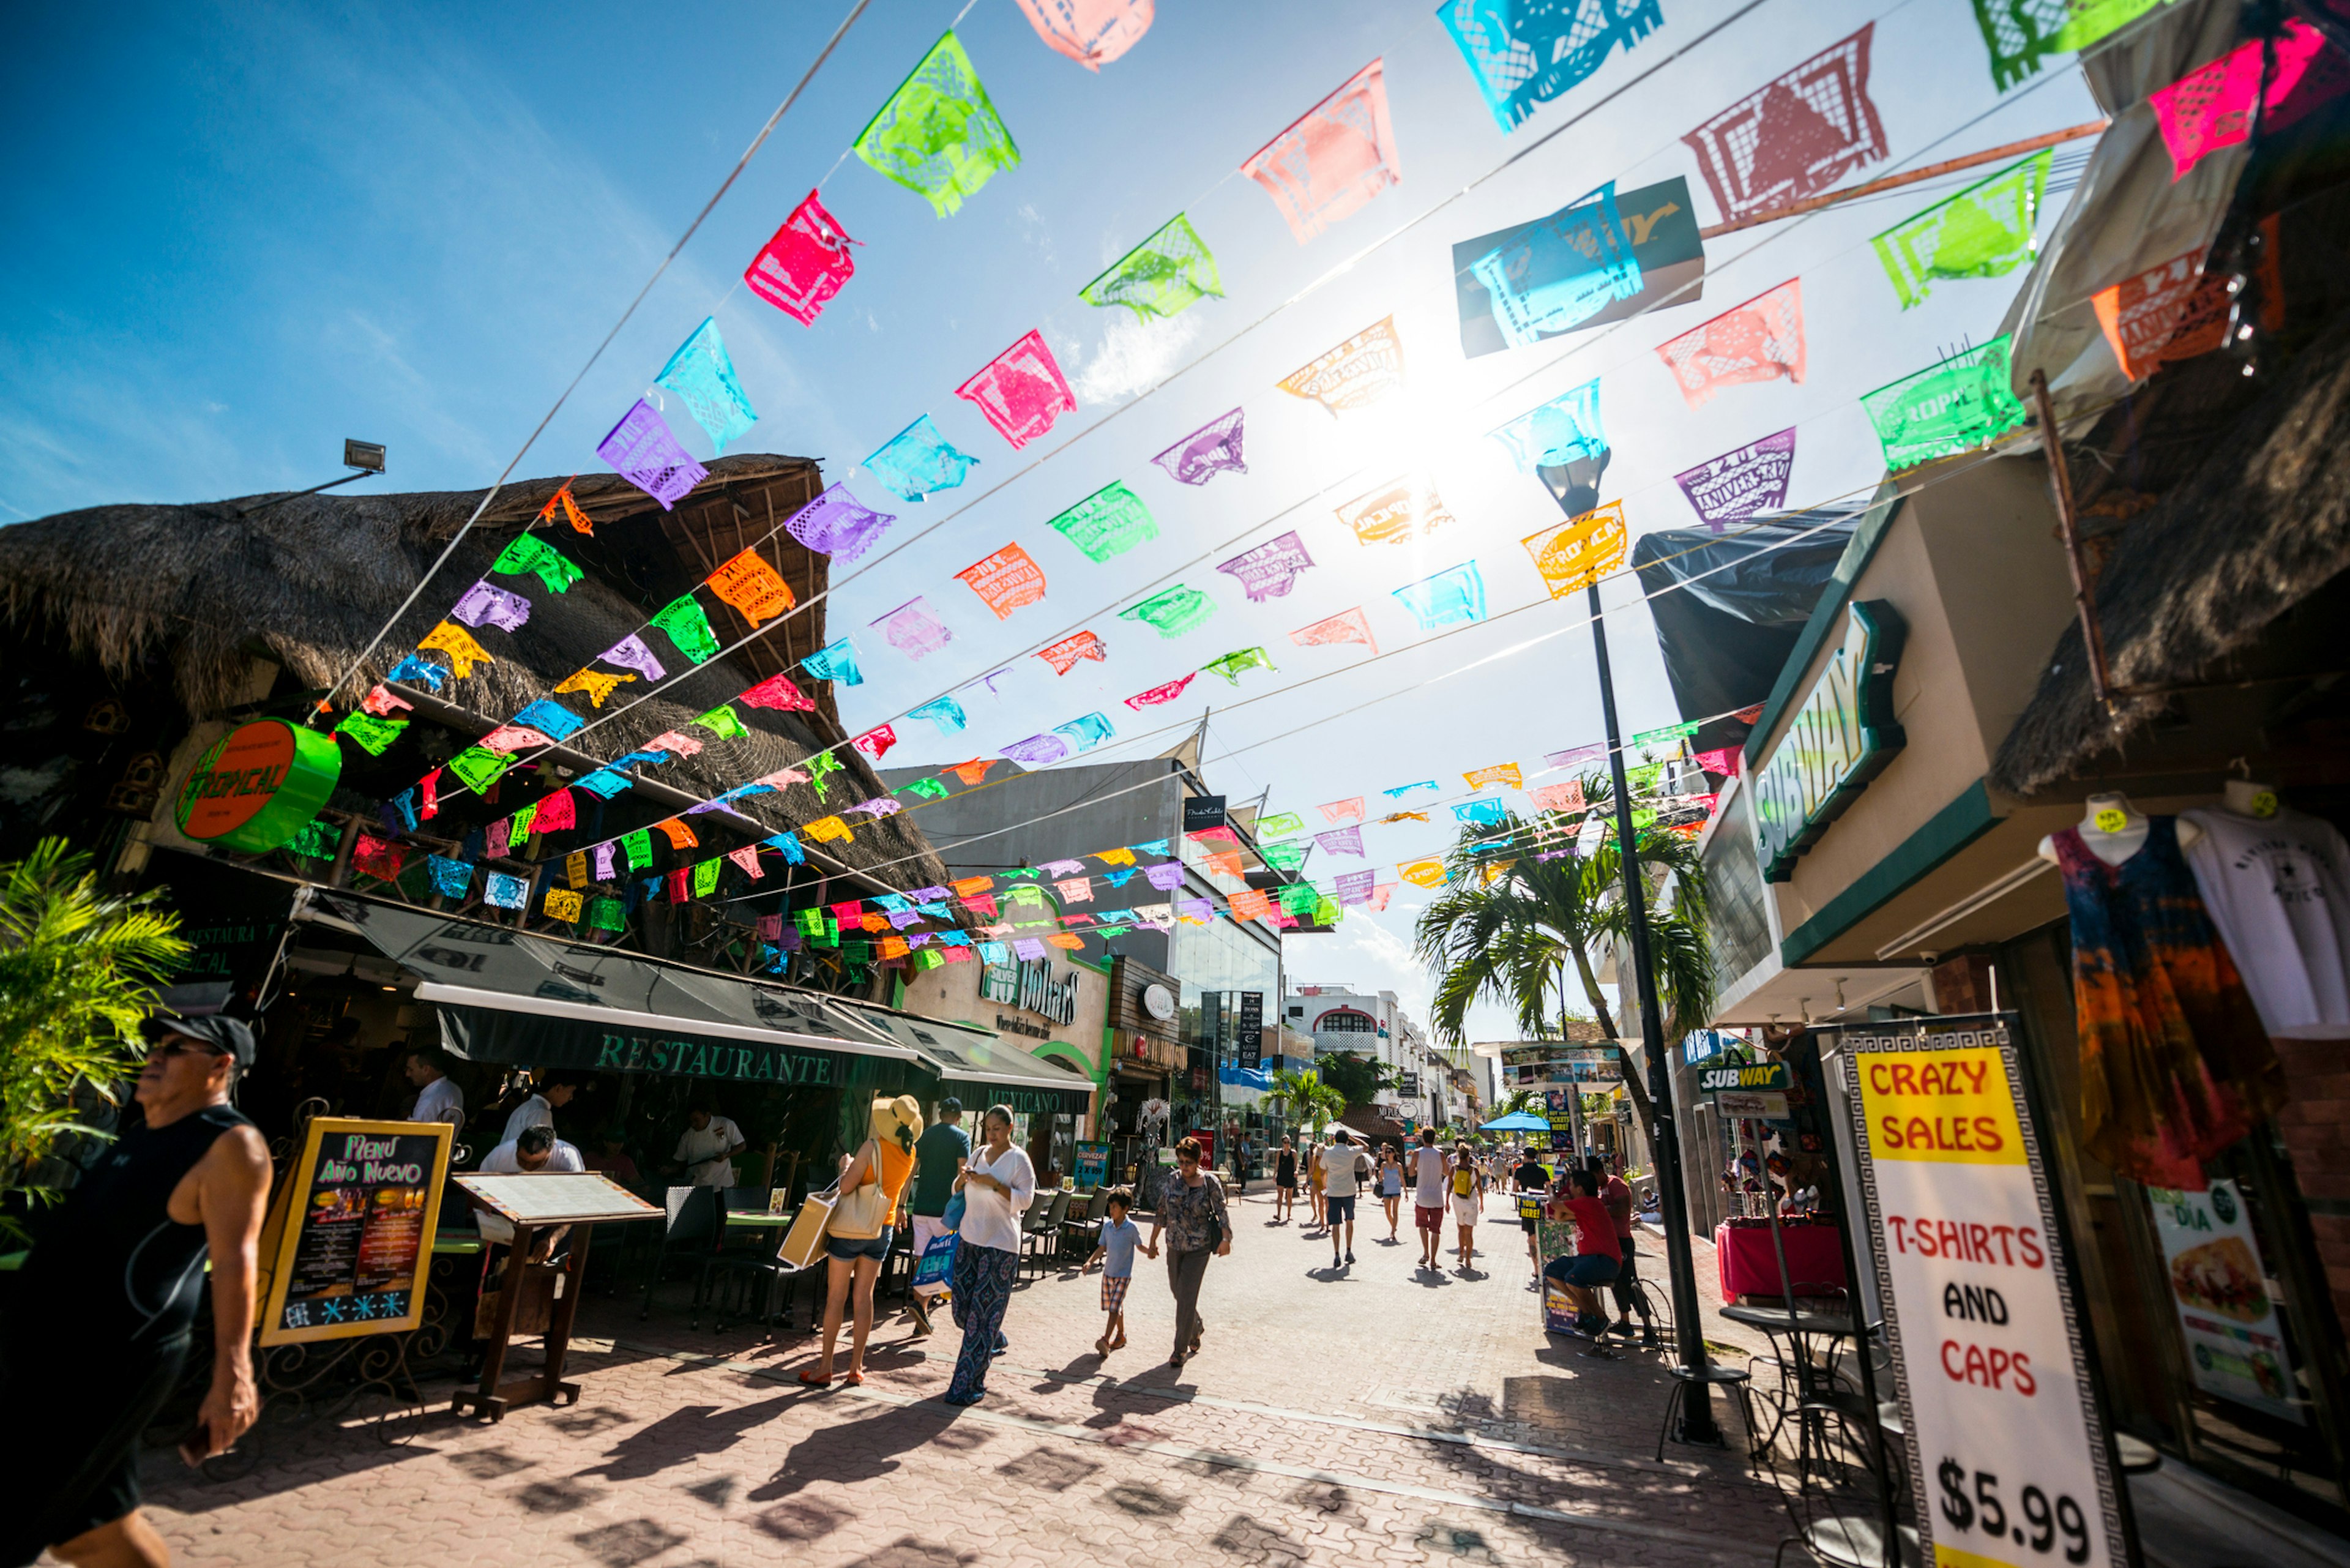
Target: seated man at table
{"points": [[534, 1149], [1595, 1261], [613, 1159], [1617, 1195]]}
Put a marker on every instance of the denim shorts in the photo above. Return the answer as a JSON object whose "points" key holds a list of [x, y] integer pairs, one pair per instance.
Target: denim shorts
{"points": [[1340, 1209], [847, 1248], [1588, 1270]]}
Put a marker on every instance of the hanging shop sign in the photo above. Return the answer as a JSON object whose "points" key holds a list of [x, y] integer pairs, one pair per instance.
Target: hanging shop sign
{"points": [[1031, 985], [2008, 1458], [259, 785], [1839, 738], [350, 1239], [1742, 1104], [1092, 1164], [1750, 1076], [2219, 1288], [1203, 812], [1163, 1053], [1590, 1066]]}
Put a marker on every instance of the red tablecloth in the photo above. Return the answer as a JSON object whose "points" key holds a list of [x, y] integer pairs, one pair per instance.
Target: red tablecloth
{"points": [[1743, 1255]]}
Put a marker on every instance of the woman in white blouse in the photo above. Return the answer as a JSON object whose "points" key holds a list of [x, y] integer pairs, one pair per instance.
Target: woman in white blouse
{"points": [[996, 1186]]}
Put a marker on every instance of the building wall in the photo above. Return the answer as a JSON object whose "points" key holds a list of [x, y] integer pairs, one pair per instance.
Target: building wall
{"points": [[1394, 1038], [951, 992]]}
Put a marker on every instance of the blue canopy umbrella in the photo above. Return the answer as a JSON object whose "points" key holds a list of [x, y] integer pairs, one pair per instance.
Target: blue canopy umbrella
{"points": [[1516, 1121]]}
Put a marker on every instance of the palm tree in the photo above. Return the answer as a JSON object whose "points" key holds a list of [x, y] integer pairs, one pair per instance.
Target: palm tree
{"points": [[1291, 1088], [1299, 1095], [78, 976], [1528, 1102], [1516, 938]]}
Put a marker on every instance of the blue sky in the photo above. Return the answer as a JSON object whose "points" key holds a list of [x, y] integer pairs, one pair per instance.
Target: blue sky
{"points": [[245, 233]]}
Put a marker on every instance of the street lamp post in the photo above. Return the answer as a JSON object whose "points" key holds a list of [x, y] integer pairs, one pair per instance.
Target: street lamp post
{"points": [[1697, 1424]]}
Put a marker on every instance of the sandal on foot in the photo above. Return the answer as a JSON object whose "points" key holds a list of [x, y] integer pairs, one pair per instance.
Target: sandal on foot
{"points": [[853, 1379], [814, 1379], [1101, 1345]]}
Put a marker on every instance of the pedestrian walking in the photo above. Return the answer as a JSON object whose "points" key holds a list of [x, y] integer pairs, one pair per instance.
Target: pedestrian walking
{"points": [[1468, 1202], [856, 1237], [98, 1323], [1344, 1166], [1532, 1178], [1284, 1184], [1391, 1187], [1594, 1262], [1617, 1197], [1314, 1181], [1198, 1226], [1428, 1176], [996, 1185], [1121, 1238], [939, 1157]]}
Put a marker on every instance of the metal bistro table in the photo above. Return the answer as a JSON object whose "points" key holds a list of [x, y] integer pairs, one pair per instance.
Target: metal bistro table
{"points": [[1809, 1384]]}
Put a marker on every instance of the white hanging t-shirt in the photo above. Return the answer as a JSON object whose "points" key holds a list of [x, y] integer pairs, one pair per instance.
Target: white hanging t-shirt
{"points": [[2279, 891]]}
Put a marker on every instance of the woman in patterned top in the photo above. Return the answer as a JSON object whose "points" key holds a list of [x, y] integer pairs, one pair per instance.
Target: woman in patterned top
{"points": [[1192, 1216]]}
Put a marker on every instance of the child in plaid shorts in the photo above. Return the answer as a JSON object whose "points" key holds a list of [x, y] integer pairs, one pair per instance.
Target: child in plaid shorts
{"points": [[1120, 1238]]}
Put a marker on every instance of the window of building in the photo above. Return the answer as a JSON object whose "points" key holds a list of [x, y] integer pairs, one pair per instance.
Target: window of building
{"points": [[1343, 1020]]}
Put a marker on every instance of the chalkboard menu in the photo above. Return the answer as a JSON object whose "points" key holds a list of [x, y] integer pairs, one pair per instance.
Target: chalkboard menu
{"points": [[349, 1235], [1249, 1033]]}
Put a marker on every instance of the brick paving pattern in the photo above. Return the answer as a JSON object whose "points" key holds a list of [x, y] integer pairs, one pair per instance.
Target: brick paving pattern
{"points": [[1369, 1416]]}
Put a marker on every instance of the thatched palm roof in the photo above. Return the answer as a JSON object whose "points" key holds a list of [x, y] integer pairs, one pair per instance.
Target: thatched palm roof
{"points": [[304, 582], [2264, 520]]}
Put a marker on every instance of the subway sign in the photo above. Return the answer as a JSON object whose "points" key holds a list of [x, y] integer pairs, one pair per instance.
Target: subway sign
{"points": [[1839, 738], [1749, 1077]]}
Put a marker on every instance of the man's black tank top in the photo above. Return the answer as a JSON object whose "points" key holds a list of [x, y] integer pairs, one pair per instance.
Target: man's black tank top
{"points": [[112, 1267]]}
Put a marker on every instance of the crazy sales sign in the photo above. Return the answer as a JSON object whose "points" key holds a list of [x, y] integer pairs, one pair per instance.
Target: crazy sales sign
{"points": [[2008, 1454]]}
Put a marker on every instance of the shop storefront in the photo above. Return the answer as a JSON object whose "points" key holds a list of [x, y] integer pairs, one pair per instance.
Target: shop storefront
{"points": [[643, 1041], [1148, 1062], [1936, 748], [1057, 1009]]}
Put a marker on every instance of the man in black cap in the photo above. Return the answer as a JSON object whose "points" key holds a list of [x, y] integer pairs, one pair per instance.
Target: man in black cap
{"points": [[97, 1324]]}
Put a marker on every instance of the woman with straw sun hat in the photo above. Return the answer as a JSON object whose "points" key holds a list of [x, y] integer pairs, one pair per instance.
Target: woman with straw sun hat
{"points": [[856, 1237]]}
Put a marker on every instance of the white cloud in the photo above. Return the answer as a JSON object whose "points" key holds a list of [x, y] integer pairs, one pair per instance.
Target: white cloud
{"points": [[1134, 355]]}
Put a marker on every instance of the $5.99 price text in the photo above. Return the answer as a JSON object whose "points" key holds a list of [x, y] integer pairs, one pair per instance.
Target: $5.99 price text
{"points": [[1970, 1501]]}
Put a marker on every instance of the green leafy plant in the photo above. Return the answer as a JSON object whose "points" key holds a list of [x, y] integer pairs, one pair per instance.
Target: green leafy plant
{"points": [[1357, 1079], [79, 973], [1539, 929], [1300, 1093], [1527, 1102]]}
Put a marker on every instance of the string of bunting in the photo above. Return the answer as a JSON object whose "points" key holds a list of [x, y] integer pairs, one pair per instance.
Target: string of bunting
{"points": [[1331, 161]]}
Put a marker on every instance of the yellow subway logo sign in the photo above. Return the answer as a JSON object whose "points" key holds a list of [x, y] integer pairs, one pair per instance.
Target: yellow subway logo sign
{"points": [[1746, 1076]]}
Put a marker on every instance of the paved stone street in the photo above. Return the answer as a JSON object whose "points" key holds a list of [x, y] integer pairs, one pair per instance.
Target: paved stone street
{"points": [[1369, 1414]]}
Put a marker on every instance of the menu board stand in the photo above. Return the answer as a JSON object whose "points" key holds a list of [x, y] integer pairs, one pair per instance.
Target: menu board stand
{"points": [[536, 1205], [493, 1397]]}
